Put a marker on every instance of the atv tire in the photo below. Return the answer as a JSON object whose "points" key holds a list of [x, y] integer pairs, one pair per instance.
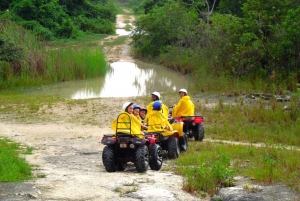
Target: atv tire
{"points": [[173, 148], [108, 159], [156, 158], [142, 158], [199, 132], [183, 142]]}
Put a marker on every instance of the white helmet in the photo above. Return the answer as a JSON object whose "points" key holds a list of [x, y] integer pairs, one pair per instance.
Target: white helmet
{"points": [[126, 104], [156, 94], [183, 90]]}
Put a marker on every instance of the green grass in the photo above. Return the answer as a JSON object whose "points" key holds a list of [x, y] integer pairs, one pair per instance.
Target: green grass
{"points": [[85, 40], [78, 63], [118, 41], [26, 108], [208, 166], [263, 121], [13, 167]]}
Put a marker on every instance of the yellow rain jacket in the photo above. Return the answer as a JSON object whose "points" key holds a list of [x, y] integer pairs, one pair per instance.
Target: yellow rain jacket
{"points": [[185, 107], [157, 122], [139, 118], [124, 121], [165, 109]]}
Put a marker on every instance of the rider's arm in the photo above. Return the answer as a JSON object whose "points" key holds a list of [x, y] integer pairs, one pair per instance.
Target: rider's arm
{"points": [[177, 108]]}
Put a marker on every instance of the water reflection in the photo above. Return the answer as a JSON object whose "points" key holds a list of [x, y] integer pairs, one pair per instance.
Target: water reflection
{"points": [[122, 32], [123, 79], [126, 79]]}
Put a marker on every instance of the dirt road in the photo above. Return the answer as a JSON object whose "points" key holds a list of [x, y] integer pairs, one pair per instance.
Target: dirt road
{"points": [[69, 156]]}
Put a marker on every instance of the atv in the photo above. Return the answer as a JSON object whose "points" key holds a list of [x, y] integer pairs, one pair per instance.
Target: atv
{"points": [[192, 125], [124, 147], [173, 142]]}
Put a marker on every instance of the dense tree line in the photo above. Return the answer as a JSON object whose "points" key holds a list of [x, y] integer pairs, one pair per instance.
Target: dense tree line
{"points": [[250, 39], [61, 18]]}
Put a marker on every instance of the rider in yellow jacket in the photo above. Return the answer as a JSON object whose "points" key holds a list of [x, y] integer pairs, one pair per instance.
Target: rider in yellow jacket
{"points": [[156, 120], [127, 123], [184, 107], [136, 112], [155, 96]]}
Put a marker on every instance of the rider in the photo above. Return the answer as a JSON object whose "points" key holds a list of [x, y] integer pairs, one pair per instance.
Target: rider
{"points": [[155, 96], [143, 112], [184, 107], [156, 120], [136, 112], [127, 123]]}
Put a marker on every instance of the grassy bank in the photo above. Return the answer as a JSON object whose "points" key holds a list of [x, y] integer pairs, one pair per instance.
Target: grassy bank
{"points": [[269, 122], [208, 166], [13, 167], [26, 60], [268, 131]]}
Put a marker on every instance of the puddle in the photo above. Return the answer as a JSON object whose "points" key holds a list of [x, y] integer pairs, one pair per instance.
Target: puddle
{"points": [[122, 32], [123, 79]]}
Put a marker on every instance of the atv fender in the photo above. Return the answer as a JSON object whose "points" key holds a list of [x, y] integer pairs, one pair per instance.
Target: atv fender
{"points": [[173, 133], [178, 126]]}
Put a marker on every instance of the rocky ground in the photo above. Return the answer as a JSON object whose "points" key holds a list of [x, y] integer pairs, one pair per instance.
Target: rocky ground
{"points": [[68, 164]]}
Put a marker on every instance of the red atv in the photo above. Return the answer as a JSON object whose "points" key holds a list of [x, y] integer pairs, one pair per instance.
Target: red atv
{"points": [[124, 147], [192, 125]]}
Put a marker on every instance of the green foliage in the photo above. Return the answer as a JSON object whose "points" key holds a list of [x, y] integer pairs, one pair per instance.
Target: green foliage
{"points": [[97, 17], [156, 31], [231, 7], [149, 5], [9, 51], [49, 15], [255, 41], [12, 167], [4, 4], [62, 19]]}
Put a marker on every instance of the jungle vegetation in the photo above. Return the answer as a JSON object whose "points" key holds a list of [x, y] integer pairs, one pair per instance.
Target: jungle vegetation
{"points": [[27, 27], [222, 42], [54, 19]]}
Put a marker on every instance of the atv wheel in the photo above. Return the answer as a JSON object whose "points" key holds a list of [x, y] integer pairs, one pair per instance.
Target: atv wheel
{"points": [[199, 132], [183, 142], [108, 159], [142, 158], [173, 147], [156, 159]]}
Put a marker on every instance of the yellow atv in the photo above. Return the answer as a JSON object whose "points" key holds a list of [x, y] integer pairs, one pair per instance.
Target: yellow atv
{"points": [[124, 147]]}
